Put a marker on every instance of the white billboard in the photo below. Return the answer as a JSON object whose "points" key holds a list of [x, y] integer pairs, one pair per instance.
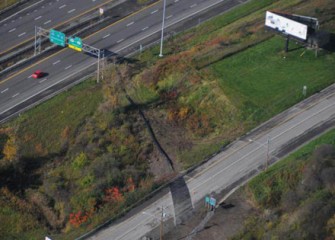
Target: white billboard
{"points": [[285, 25]]}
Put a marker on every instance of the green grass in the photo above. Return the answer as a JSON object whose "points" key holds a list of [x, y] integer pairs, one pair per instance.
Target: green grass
{"points": [[207, 29], [198, 154], [285, 174], [266, 78], [6, 3], [46, 123]]}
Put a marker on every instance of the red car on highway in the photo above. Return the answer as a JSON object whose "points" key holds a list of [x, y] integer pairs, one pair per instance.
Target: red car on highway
{"points": [[37, 74]]}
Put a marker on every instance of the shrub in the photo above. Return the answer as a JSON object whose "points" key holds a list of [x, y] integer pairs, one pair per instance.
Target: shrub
{"points": [[80, 161]]}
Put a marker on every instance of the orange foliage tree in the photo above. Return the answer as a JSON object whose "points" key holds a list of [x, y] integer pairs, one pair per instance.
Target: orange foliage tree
{"points": [[130, 187], [76, 219], [113, 194]]}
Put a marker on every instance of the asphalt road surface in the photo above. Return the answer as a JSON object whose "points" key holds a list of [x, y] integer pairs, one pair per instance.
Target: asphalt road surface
{"points": [[242, 158], [20, 27], [115, 38]]}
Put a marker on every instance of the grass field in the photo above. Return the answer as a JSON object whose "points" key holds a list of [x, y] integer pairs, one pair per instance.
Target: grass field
{"points": [[47, 126], [266, 72]]}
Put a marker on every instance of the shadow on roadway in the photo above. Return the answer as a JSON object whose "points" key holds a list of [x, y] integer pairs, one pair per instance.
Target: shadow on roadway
{"points": [[111, 57], [181, 200]]}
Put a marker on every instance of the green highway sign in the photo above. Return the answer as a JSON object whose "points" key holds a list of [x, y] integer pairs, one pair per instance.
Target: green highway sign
{"points": [[57, 37], [75, 43]]}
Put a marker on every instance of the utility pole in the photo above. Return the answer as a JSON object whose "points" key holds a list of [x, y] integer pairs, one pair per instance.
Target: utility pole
{"points": [[267, 153], [162, 34]]}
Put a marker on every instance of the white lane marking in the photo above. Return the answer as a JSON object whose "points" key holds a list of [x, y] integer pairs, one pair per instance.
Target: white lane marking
{"points": [[106, 35], [63, 6], [21, 11], [28, 14], [246, 155], [12, 30], [145, 28], [35, 10], [119, 40], [20, 35], [129, 24], [71, 11], [3, 91], [193, 5], [169, 17], [49, 21], [15, 95], [176, 1], [30, 76], [58, 61], [38, 18], [43, 80], [154, 11], [68, 67]]}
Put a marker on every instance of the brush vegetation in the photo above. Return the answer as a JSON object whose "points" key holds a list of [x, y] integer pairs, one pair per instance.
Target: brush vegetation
{"points": [[87, 155]]}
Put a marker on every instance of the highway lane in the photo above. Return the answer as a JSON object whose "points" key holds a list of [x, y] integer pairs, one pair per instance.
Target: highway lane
{"points": [[239, 160], [47, 14], [117, 37]]}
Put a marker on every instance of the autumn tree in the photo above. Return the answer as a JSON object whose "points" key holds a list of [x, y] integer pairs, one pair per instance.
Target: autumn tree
{"points": [[10, 148], [113, 194]]}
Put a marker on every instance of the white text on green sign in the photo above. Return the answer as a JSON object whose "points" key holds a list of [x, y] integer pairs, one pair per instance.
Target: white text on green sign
{"points": [[57, 37], [75, 43]]}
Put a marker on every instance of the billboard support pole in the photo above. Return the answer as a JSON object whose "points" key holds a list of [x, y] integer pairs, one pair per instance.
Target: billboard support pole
{"points": [[287, 43]]}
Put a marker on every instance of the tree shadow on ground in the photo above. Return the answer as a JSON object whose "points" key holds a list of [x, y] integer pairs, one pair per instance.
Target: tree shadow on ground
{"points": [[23, 174]]}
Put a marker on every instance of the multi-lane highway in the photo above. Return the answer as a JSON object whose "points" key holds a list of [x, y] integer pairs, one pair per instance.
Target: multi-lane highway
{"points": [[241, 159], [20, 27], [119, 36]]}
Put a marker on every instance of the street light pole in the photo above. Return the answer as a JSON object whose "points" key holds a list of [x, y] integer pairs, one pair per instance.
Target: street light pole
{"points": [[162, 34]]}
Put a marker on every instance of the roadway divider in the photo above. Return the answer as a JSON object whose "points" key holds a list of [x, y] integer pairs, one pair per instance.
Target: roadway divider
{"points": [[81, 27]]}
